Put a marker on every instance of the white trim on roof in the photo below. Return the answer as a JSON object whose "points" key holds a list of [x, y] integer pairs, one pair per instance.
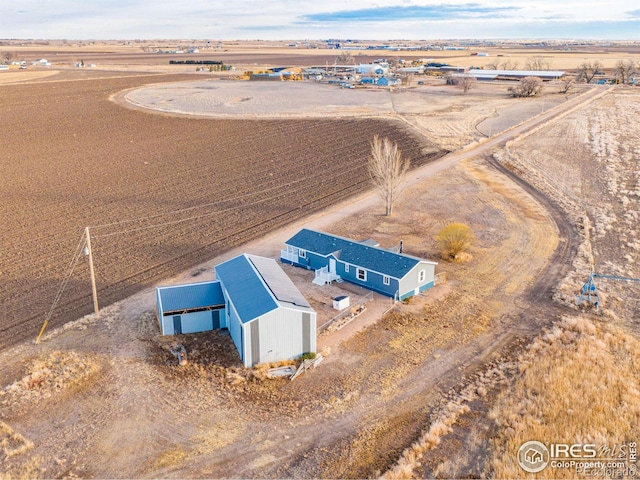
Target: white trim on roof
{"points": [[518, 73]]}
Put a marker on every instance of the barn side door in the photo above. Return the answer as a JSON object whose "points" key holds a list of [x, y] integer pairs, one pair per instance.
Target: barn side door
{"points": [[255, 342], [177, 325]]}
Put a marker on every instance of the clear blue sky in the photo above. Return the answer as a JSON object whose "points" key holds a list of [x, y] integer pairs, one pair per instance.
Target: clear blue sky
{"points": [[316, 19]]}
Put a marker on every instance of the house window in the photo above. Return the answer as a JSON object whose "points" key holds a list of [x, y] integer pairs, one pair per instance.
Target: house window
{"points": [[361, 273], [303, 253], [385, 280], [421, 276]]}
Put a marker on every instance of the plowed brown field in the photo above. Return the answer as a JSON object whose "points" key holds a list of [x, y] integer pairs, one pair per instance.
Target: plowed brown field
{"points": [[161, 193]]}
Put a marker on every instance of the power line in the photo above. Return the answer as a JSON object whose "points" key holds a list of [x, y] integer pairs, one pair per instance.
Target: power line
{"points": [[195, 207], [63, 285], [195, 217]]}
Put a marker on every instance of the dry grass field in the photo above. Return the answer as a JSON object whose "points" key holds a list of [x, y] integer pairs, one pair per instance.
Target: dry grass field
{"points": [[445, 385], [566, 384]]}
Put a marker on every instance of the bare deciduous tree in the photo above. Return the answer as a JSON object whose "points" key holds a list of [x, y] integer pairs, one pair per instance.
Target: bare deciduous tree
{"points": [[8, 57], [624, 70], [566, 83], [587, 70], [527, 87], [537, 63], [464, 82], [387, 169], [510, 64], [467, 82], [345, 58], [493, 65], [408, 79]]}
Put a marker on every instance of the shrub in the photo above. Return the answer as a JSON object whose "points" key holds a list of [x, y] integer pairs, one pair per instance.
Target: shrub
{"points": [[455, 239], [308, 356]]}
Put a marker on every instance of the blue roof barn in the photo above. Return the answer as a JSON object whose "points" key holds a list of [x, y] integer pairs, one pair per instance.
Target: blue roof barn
{"points": [[268, 318]]}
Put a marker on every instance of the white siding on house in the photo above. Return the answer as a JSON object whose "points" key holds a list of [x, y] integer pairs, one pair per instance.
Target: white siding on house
{"points": [[415, 279]]}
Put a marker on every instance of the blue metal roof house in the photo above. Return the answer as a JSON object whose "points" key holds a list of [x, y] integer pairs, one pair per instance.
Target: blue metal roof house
{"points": [[267, 316], [335, 258]]}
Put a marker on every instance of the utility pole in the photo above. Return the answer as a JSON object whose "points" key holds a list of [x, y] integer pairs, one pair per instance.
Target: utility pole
{"points": [[91, 270]]}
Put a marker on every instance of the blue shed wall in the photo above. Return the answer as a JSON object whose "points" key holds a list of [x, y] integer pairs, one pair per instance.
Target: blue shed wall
{"points": [[197, 322], [166, 325]]}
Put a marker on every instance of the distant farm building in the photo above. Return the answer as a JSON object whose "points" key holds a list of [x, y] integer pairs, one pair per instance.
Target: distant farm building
{"points": [[387, 82], [363, 263], [268, 318], [545, 75], [372, 69], [381, 81]]}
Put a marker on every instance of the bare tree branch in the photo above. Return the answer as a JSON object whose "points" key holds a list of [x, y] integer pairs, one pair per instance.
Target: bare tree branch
{"points": [[346, 58], [537, 63], [624, 70], [587, 70]]}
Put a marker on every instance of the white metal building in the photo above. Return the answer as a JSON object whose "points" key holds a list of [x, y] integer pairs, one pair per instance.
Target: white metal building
{"points": [[482, 74], [267, 316]]}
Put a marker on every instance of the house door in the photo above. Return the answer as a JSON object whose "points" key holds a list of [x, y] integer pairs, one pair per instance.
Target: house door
{"points": [[332, 265]]}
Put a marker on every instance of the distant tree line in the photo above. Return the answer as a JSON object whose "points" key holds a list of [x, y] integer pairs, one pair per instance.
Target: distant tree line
{"points": [[623, 71], [195, 62]]}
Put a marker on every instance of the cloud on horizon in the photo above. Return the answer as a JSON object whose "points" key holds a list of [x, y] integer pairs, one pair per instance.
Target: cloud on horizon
{"points": [[412, 12], [296, 19]]}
